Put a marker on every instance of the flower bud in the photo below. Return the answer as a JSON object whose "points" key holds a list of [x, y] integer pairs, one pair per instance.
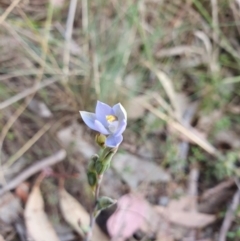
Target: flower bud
{"points": [[100, 140]]}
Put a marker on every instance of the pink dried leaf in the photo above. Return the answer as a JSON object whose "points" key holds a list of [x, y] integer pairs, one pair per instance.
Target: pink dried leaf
{"points": [[131, 214]]}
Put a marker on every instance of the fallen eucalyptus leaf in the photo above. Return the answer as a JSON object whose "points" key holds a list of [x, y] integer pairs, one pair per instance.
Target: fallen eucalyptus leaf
{"points": [[76, 215], [132, 214], [186, 219], [38, 226]]}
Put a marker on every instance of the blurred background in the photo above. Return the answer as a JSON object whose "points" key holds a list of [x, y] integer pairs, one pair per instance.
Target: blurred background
{"points": [[174, 66]]}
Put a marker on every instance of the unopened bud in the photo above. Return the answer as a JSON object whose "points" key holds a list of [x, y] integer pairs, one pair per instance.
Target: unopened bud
{"points": [[100, 140]]}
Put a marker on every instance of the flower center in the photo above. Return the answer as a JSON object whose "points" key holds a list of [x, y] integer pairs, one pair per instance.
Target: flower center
{"points": [[112, 123], [111, 118]]}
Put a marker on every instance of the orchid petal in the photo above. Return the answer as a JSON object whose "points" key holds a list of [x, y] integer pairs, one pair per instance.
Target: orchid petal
{"points": [[100, 128], [120, 112], [121, 128], [113, 141], [89, 119], [102, 110], [113, 127]]}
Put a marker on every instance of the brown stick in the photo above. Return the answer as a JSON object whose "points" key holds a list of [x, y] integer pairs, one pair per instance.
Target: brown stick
{"points": [[229, 216], [49, 161]]}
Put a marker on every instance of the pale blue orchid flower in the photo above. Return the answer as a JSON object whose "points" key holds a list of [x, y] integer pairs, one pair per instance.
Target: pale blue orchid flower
{"points": [[110, 121]]}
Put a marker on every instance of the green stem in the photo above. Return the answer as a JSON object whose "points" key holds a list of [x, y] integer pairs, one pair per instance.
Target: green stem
{"points": [[92, 216]]}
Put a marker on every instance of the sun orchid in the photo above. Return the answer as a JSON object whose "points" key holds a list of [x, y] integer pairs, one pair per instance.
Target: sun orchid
{"points": [[110, 121]]}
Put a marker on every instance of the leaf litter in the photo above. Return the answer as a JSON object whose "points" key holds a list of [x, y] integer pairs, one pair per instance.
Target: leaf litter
{"points": [[38, 225]]}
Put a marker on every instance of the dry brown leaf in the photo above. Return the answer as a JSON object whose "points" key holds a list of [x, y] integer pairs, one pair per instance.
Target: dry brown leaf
{"points": [[180, 204], [38, 226], [186, 219], [214, 198], [220, 188], [75, 214]]}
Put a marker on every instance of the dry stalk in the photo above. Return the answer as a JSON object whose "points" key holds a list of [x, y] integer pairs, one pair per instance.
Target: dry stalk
{"points": [[35, 168], [68, 38], [8, 10]]}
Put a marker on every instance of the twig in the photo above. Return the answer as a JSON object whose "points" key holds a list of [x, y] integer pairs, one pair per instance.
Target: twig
{"points": [[213, 64], [193, 193], [215, 22], [8, 10], [31, 90], [28, 92], [187, 117], [68, 37], [235, 11], [85, 16], [185, 131], [74, 47], [229, 216], [193, 187], [51, 160]]}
